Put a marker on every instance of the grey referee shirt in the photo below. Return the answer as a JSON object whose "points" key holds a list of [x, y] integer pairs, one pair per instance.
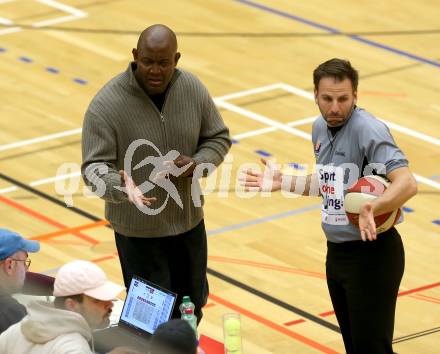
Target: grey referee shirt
{"points": [[363, 145]]}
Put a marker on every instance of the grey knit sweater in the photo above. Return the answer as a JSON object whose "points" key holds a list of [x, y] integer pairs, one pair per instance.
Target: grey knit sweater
{"points": [[121, 113]]}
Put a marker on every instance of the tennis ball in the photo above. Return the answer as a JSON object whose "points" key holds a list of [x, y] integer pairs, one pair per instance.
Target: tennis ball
{"points": [[233, 344], [232, 327]]}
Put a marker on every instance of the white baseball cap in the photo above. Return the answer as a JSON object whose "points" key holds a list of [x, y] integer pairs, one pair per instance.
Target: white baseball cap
{"points": [[83, 277]]}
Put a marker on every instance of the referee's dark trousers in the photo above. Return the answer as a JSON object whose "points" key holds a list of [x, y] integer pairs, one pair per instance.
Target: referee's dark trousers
{"points": [[363, 280]]}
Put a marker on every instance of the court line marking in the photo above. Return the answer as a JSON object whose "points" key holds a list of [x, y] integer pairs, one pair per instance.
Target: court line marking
{"points": [[276, 125], [329, 29], [275, 326], [5, 21], [261, 131], [73, 14], [395, 126], [426, 181], [35, 191], [273, 125], [40, 139], [220, 230], [429, 297], [217, 274], [8, 190], [44, 218], [69, 230], [263, 219], [265, 120], [54, 179], [424, 298], [267, 266], [301, 320], [249, 92], [405, 292]]}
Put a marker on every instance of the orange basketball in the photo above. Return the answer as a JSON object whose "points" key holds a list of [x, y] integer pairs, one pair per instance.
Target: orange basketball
{"points": [[366, 189]]}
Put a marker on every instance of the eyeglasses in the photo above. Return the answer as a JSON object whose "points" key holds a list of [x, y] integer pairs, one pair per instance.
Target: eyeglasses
{"points": [[27, 262]]}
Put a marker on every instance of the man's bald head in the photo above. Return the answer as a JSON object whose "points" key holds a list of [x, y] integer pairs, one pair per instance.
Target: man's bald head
{"points": [[157, 36], [156, 58]]}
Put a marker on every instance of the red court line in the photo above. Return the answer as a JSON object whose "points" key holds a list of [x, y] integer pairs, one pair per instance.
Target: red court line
{"points": [[402, 293], [104, 258], [75, 242], [416, 290], [70, 230], [266, 266], [328, 313], [291, 323], [420, 297], [429, 297], [307, 341], [211, 304], [44, 218]]}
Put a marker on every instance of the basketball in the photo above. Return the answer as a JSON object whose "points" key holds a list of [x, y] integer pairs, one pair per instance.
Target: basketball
{"points": [[366, 189]]}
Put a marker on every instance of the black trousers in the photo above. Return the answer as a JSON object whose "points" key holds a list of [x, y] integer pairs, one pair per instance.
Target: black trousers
{"points": [[177, 263], [363, 279]]}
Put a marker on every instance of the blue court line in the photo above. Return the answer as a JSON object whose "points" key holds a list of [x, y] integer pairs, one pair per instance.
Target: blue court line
{"points": [[336, 31], [263, 153], [262, 220], [296, 166], [80, 81], [49, 69], [25, 59], [52, 70]]}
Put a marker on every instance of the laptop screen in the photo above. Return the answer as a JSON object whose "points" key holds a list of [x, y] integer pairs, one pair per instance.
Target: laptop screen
{"points": [[147, 305]]}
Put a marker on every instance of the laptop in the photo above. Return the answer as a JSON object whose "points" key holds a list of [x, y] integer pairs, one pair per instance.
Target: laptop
{"points": [[146, 306]]}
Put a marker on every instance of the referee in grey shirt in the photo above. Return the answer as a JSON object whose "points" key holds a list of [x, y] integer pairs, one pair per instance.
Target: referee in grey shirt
{"points": [[364, 269]]}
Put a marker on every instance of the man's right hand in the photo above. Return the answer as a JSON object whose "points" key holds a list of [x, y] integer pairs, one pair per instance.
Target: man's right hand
{"points": [[267, 181], [134, 194]]}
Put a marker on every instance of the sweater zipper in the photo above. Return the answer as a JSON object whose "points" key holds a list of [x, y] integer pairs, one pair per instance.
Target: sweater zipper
{"points": [[162, 116]]}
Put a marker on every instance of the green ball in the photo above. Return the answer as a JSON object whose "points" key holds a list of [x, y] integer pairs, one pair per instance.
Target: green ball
{"points": [[233, 344], [232, 327]]}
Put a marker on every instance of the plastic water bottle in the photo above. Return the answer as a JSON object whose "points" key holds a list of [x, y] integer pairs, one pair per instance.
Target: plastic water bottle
{"points": [[187, 313]]}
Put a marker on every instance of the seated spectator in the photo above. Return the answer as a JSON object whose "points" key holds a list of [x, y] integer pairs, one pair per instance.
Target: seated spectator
{"points": [[173, 337], [83, 302], [14, 263]]}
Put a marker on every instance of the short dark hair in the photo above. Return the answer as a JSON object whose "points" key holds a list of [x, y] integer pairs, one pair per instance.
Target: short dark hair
{"points": [[176, 335], [59, 301], [339, 69]]}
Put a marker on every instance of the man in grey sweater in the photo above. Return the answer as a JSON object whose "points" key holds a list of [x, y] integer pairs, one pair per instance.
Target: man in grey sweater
{"points": [[144, 134]]}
